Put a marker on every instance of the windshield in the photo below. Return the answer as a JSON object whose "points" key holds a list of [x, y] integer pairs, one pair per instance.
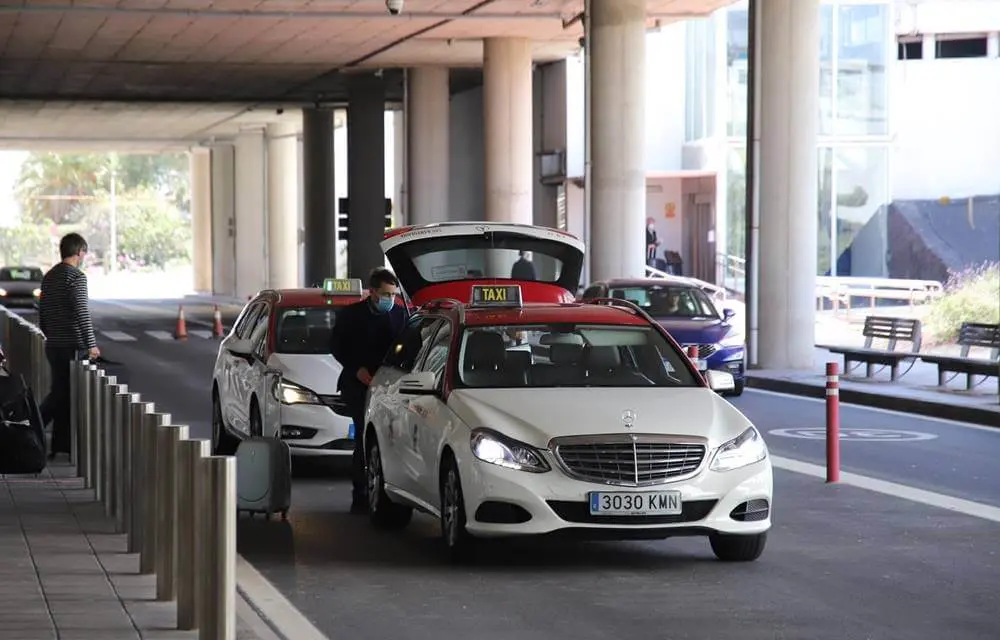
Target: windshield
{"points": [[569, 355], [305, 330], [668, 301], [16, 274]]}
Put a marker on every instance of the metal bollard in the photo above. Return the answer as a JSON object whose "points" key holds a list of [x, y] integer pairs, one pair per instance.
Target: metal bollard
{"points": [[96, 396], [137, 475], [167, 438], [74, 417], [217, 553], [109, 409], [190, 455], [123, 463], [83, 420], [147, 557]]}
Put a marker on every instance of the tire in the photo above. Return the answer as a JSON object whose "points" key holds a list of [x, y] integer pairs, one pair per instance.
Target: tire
{"points": [[256, 422], [384, 513], [223, 443], [736, 548], [458, 542], [737, 390]]}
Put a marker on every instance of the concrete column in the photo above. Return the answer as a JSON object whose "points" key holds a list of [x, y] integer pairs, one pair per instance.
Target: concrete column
{"points": [[617, 41], [787, 104], [319, 202], [200, 163], [365, 174], [251, 208], [428, 101], [993, 45], [223, 220], [400, 196], [507, 104], [283, 206]]}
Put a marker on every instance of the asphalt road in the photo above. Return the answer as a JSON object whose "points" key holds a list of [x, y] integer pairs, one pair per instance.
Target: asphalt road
{"points": [[841, 564]]}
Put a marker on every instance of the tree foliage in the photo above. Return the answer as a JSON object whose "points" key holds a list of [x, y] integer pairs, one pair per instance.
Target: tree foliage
{"points": [[28, 245], [59, 188]]}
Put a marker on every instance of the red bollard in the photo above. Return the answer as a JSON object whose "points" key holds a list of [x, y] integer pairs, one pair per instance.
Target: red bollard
{"points": [[832, 422]]}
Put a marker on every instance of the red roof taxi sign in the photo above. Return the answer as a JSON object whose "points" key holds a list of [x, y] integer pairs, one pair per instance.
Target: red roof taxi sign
{"points": [[504, 295], [343, 287]]}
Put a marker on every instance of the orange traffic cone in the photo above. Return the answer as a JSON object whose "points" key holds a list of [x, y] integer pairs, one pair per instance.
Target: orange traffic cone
{"points": [[217, 330], [181, 332]]}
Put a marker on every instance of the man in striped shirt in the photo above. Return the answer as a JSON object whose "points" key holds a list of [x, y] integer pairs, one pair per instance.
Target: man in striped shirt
{"points": [[64, 318]]}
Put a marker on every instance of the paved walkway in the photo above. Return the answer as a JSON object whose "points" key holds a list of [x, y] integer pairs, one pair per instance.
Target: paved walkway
{"points": [[64, 573]]}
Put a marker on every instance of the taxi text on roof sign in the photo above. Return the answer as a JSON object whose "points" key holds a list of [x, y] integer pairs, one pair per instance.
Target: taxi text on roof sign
{"points": [[342, 287], [496, 295]]}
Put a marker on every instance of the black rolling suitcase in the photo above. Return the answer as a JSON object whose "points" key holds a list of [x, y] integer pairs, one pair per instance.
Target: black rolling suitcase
{"points": [[22, 436], [264, 477]]}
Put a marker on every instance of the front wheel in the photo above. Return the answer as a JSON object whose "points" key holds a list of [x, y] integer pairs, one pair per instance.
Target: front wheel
{"points": [[737, 389], [223, 444], [737, 548], [384, 513], [457, 540]]}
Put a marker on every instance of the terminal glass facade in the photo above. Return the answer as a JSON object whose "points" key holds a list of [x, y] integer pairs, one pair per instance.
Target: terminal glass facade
{"points": [[856, 44]]}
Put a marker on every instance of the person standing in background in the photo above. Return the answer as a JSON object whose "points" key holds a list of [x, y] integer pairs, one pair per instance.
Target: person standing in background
{"points": [[652, 242], [64, 318]]}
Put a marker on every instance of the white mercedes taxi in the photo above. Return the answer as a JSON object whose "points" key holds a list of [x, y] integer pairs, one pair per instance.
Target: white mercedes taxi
{"points": [[274, 375], [601, 428]]}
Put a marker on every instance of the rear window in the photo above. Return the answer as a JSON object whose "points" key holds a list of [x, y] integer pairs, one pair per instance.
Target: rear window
{"points": [[662, 301], [305, 330], [18, 274]]}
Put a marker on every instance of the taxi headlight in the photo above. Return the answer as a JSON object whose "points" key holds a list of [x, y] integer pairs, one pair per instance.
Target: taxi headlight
{"points": [[291, 393], [37, 293], [494, 448], [747, 448], [3, 292]]}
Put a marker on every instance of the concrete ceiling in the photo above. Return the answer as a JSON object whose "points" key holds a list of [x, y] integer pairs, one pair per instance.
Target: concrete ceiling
{"points": [[155, 75], [263, 50]]}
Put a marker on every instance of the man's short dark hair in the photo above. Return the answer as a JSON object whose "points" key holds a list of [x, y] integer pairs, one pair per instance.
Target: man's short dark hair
{"points": [[381, 276], [71, 244]]}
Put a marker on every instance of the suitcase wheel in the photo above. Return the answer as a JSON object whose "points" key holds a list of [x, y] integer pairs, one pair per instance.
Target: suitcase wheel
{"points": [[284, 515]]}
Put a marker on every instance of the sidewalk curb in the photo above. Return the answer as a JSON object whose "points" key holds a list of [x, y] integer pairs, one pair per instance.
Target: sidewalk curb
{"points": [[270, 612], [974, 415]]}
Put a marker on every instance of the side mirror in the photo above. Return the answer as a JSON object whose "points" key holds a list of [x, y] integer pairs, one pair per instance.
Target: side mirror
{"points": [[720, 381], [728, 313], [422, 383], [241, 347]]}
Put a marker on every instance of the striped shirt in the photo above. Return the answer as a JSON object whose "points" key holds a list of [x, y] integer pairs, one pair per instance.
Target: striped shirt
{"points": [[63, 310]]}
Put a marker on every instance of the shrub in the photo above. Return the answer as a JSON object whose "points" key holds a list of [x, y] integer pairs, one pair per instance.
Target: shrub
{"points": [[972, 295]]}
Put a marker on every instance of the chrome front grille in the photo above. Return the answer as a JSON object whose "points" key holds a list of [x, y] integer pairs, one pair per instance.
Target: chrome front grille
{"points": [[629, 460]]}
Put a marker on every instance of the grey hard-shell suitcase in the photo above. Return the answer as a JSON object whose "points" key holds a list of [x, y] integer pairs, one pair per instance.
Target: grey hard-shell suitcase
{"points": [[263, 477]]}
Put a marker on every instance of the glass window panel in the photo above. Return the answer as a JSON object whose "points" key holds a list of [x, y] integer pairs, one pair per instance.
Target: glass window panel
{"points": [[734, 273], [737, 22], [862, 186], [826, 70], [824, 208], [862, 42]]}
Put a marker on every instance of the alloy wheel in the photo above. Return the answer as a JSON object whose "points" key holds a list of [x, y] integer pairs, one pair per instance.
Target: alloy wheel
{"points": [[374, 478], [450, 508]]}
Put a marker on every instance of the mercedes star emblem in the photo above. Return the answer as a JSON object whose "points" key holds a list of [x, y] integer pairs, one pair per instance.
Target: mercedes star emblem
{"points": [[628, 418]]}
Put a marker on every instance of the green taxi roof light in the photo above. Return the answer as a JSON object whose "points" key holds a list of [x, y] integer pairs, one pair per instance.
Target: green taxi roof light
{"points": [[342, 287]]}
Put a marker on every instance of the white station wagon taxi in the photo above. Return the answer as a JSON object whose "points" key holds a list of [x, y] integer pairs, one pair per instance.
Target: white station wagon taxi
{"points": [[602, 427], [275, 377]]}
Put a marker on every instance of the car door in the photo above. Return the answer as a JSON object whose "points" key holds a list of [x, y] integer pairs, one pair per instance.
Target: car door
{"points": [[393, 407], [230, 363], [241, 378], [427, 419]]}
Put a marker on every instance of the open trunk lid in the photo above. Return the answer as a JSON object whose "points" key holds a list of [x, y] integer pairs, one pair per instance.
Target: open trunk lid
{"points": [[445, 260]]}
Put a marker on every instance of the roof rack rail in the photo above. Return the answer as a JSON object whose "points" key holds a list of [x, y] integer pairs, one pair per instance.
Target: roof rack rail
{"points": [[438, 304]]}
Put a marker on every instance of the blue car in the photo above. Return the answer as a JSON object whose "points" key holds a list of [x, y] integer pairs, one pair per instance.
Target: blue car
{"points": [[689, 315]]}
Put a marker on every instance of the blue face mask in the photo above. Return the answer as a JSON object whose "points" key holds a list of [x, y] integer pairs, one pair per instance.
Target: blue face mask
{"points": [[385, 304]]}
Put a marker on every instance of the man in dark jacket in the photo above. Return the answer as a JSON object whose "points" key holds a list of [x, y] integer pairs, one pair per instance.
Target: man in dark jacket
{"points": [[361, 336], [64, 318]]}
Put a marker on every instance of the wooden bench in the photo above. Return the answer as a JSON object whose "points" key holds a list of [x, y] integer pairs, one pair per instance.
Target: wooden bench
{"points": [[893, 331], [972, 334]]}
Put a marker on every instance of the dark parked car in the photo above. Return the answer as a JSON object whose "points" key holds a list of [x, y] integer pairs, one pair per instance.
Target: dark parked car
{"points": [[688, 314], [20, 286]]}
